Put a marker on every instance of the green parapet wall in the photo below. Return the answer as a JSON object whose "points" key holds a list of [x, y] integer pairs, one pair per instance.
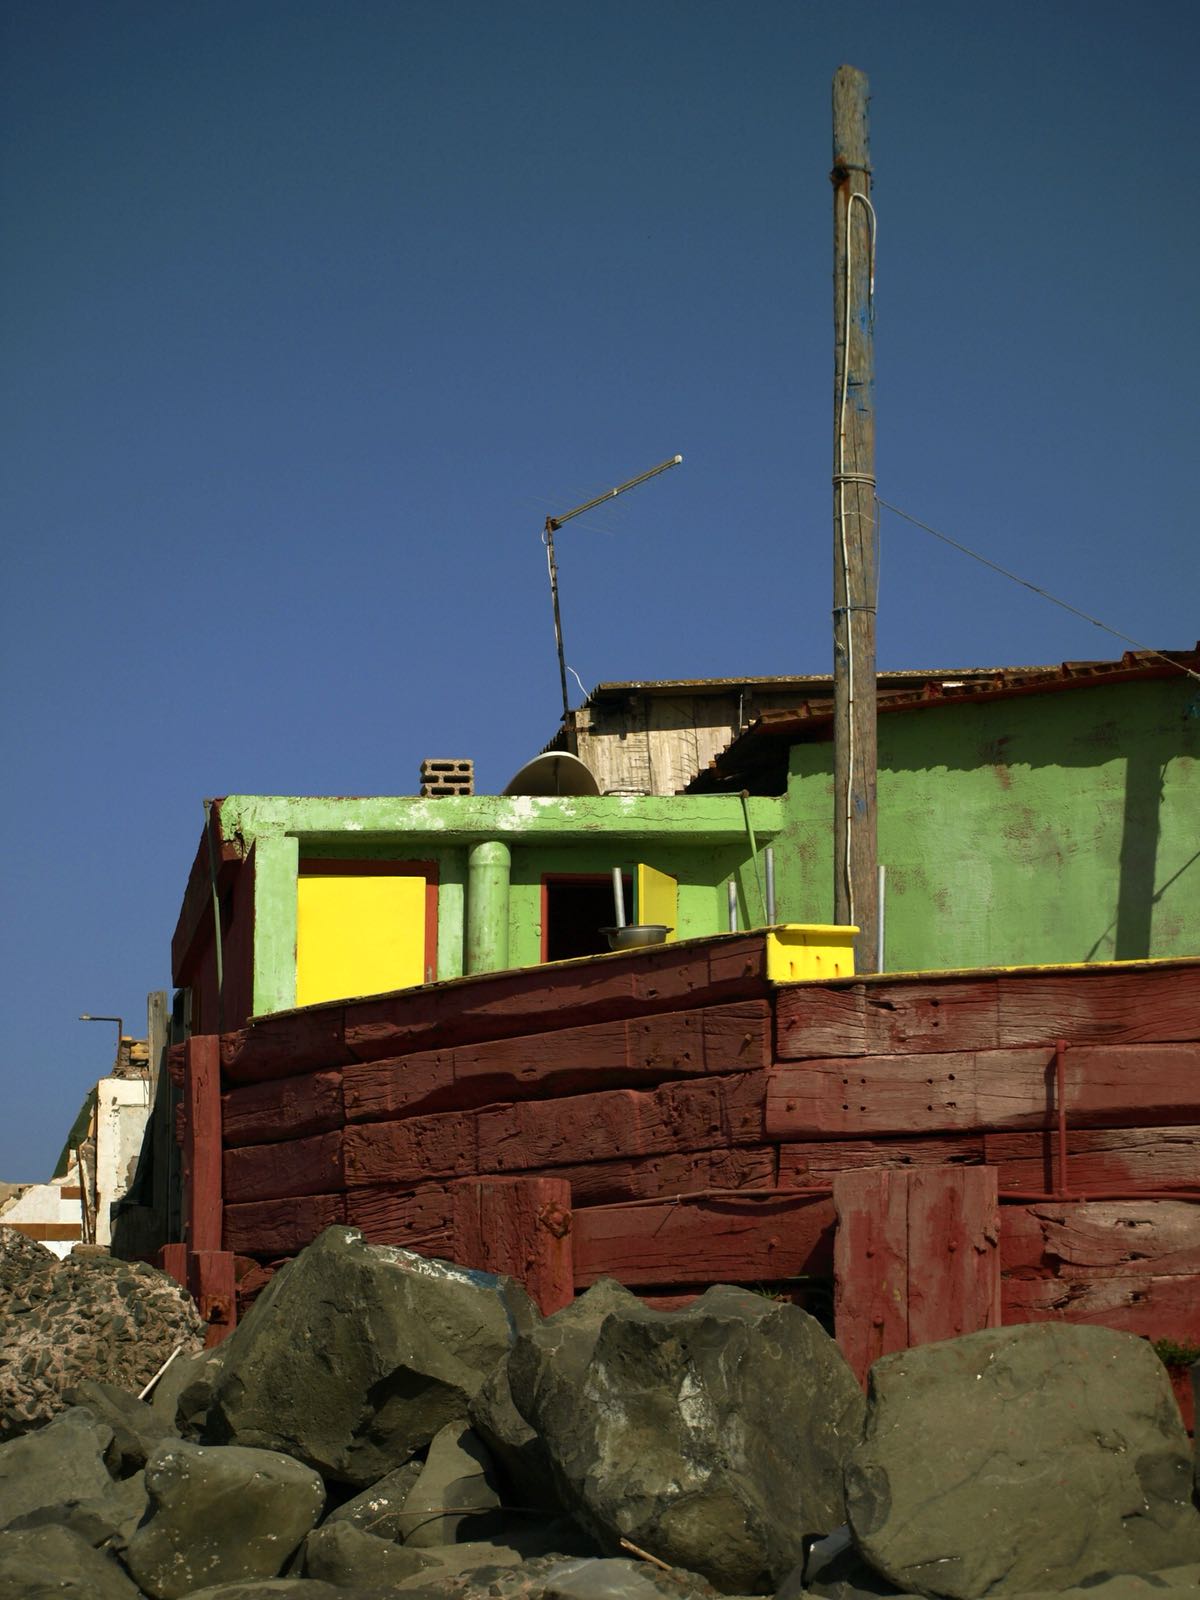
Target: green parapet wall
{"points": [[700, 840], [1041, 829]]}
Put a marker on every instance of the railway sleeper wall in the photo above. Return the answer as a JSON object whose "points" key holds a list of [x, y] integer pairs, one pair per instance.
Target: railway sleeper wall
{"points": [[681, 1122]]}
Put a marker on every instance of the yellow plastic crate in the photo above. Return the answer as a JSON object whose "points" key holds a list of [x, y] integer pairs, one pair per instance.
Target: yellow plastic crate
{"points": [[799, 952]]}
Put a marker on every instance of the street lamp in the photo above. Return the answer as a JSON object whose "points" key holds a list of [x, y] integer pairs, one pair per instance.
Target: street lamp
{"points": [[86, 1016]]}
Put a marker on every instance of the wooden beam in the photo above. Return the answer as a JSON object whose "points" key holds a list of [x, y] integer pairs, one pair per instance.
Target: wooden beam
{"points": [[916, 1259], [630, 1052], [1109, 1238], [967, 1091], [202, 1178], [705, 1239], [278, 1171], [281, 1227], [521, 1227], [1138, 1003], [282, 1109]]}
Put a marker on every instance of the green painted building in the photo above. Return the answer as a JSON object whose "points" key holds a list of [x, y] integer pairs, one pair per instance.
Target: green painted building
{"points": [[1025, 817]]}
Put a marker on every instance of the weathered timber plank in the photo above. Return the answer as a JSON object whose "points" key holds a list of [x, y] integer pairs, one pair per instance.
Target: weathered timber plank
{"points": [[886, 1019], [281, 1227], [801, 1164], [693, 1115], [628, 1051], [1153, 1307], [520, 1227], [1121, 1238], [1105, 1006], [201, 1105], [415, 1150], [279, 1171], [704, 1240], [417, 1219], [1015, 1009], [676, 1172], [1105, 1086], [532, 1135], [1100, 1159], [279, 1109], [870, 1266], [212, 1285], [535, 999], [282, 1046], [953, 1254]]}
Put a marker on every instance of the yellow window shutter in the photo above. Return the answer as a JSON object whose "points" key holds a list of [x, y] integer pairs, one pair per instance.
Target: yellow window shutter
{"points": [[358, 935], [657, 897]]}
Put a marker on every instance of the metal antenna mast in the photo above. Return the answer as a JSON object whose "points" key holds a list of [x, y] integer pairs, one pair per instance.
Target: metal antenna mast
{"points": [[552, 526]]}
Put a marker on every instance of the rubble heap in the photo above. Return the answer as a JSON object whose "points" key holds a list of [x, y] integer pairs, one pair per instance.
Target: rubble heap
{"points": [[382, 1424]]}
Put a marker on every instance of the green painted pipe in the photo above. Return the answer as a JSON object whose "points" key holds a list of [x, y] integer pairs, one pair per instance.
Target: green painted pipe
{"points": [[488, 868]]}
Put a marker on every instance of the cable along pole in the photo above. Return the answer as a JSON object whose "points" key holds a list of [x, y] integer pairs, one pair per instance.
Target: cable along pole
{"points": [[553, 524], [855, 531]]}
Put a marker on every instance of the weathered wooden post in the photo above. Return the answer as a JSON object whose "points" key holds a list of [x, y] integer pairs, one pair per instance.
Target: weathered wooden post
{"points": [[855, 554]]}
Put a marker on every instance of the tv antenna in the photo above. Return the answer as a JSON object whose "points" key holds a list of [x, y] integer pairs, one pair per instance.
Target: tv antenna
{"points": [[552, 526]]}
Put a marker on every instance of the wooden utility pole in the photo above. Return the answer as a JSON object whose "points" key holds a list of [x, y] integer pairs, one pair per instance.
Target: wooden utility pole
{"points": [[855, 551]]}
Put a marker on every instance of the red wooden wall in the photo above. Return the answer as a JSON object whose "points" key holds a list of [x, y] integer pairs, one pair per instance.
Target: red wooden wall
{"points": [[953, 1151]]}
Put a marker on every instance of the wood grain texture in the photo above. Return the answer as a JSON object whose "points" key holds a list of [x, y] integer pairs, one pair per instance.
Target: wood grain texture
{"points": [[968, 1091], [693, 1115], [213, 1286], [676, 1172], [202, 1179], [282, 1109], [279, 1171], [521, 1227], [284, 1045], [1115, 1238], [271, 1228], [953, 1253], [417, 1218], [704, 1240], [870, 1266], [570, 994], [1153, 1307], [1014, 1010], [1105, 1159], [802, 1163], [624, 1052]]}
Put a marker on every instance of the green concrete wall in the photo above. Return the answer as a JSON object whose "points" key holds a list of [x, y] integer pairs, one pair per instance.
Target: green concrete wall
{"points": [[701, 840], [1043, 829]]}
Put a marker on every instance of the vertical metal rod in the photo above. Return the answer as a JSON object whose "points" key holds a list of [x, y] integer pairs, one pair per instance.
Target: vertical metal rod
{"points": [[769, 863], [881, 909], [618, 896], [733, 920], [855, 562]]}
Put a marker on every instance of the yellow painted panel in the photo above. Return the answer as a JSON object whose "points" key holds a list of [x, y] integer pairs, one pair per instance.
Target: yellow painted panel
{"points": [[358, 935], [657, 898], [799, 952]]}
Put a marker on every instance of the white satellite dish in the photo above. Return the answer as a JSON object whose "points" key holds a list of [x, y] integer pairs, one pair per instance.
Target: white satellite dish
{"points": [[556, 772]]}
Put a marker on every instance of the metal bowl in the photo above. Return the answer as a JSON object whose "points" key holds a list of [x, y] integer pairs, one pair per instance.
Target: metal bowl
{"points": [[636, 935]]}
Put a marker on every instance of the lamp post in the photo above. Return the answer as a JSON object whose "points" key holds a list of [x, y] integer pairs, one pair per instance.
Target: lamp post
{"points": [[86, 1016]]}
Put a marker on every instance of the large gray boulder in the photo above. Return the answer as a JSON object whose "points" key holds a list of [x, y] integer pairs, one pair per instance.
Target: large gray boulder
{"points": [[56, 1564], [108, 1518], [380, 1509], [341, 1554], [87, 1317], [1020, 1459], [137, 1429], [457, 1473], [355, 1356], [513, 1444], [714, 1437], [61, 1462], [220, 1513]]}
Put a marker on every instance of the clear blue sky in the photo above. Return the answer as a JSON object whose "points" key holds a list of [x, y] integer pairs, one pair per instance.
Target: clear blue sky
{"points": [[311, 313]]}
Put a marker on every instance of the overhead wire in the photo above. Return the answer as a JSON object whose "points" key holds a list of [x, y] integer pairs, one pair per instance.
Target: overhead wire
{"points": [[1035, 588]]}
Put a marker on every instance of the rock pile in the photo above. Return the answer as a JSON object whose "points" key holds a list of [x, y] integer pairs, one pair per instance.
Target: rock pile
{"points": [[381, 1424], [62, 1322]]}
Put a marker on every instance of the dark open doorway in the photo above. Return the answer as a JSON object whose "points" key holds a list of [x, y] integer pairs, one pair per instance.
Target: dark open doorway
{"points": [[574, 909]]}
